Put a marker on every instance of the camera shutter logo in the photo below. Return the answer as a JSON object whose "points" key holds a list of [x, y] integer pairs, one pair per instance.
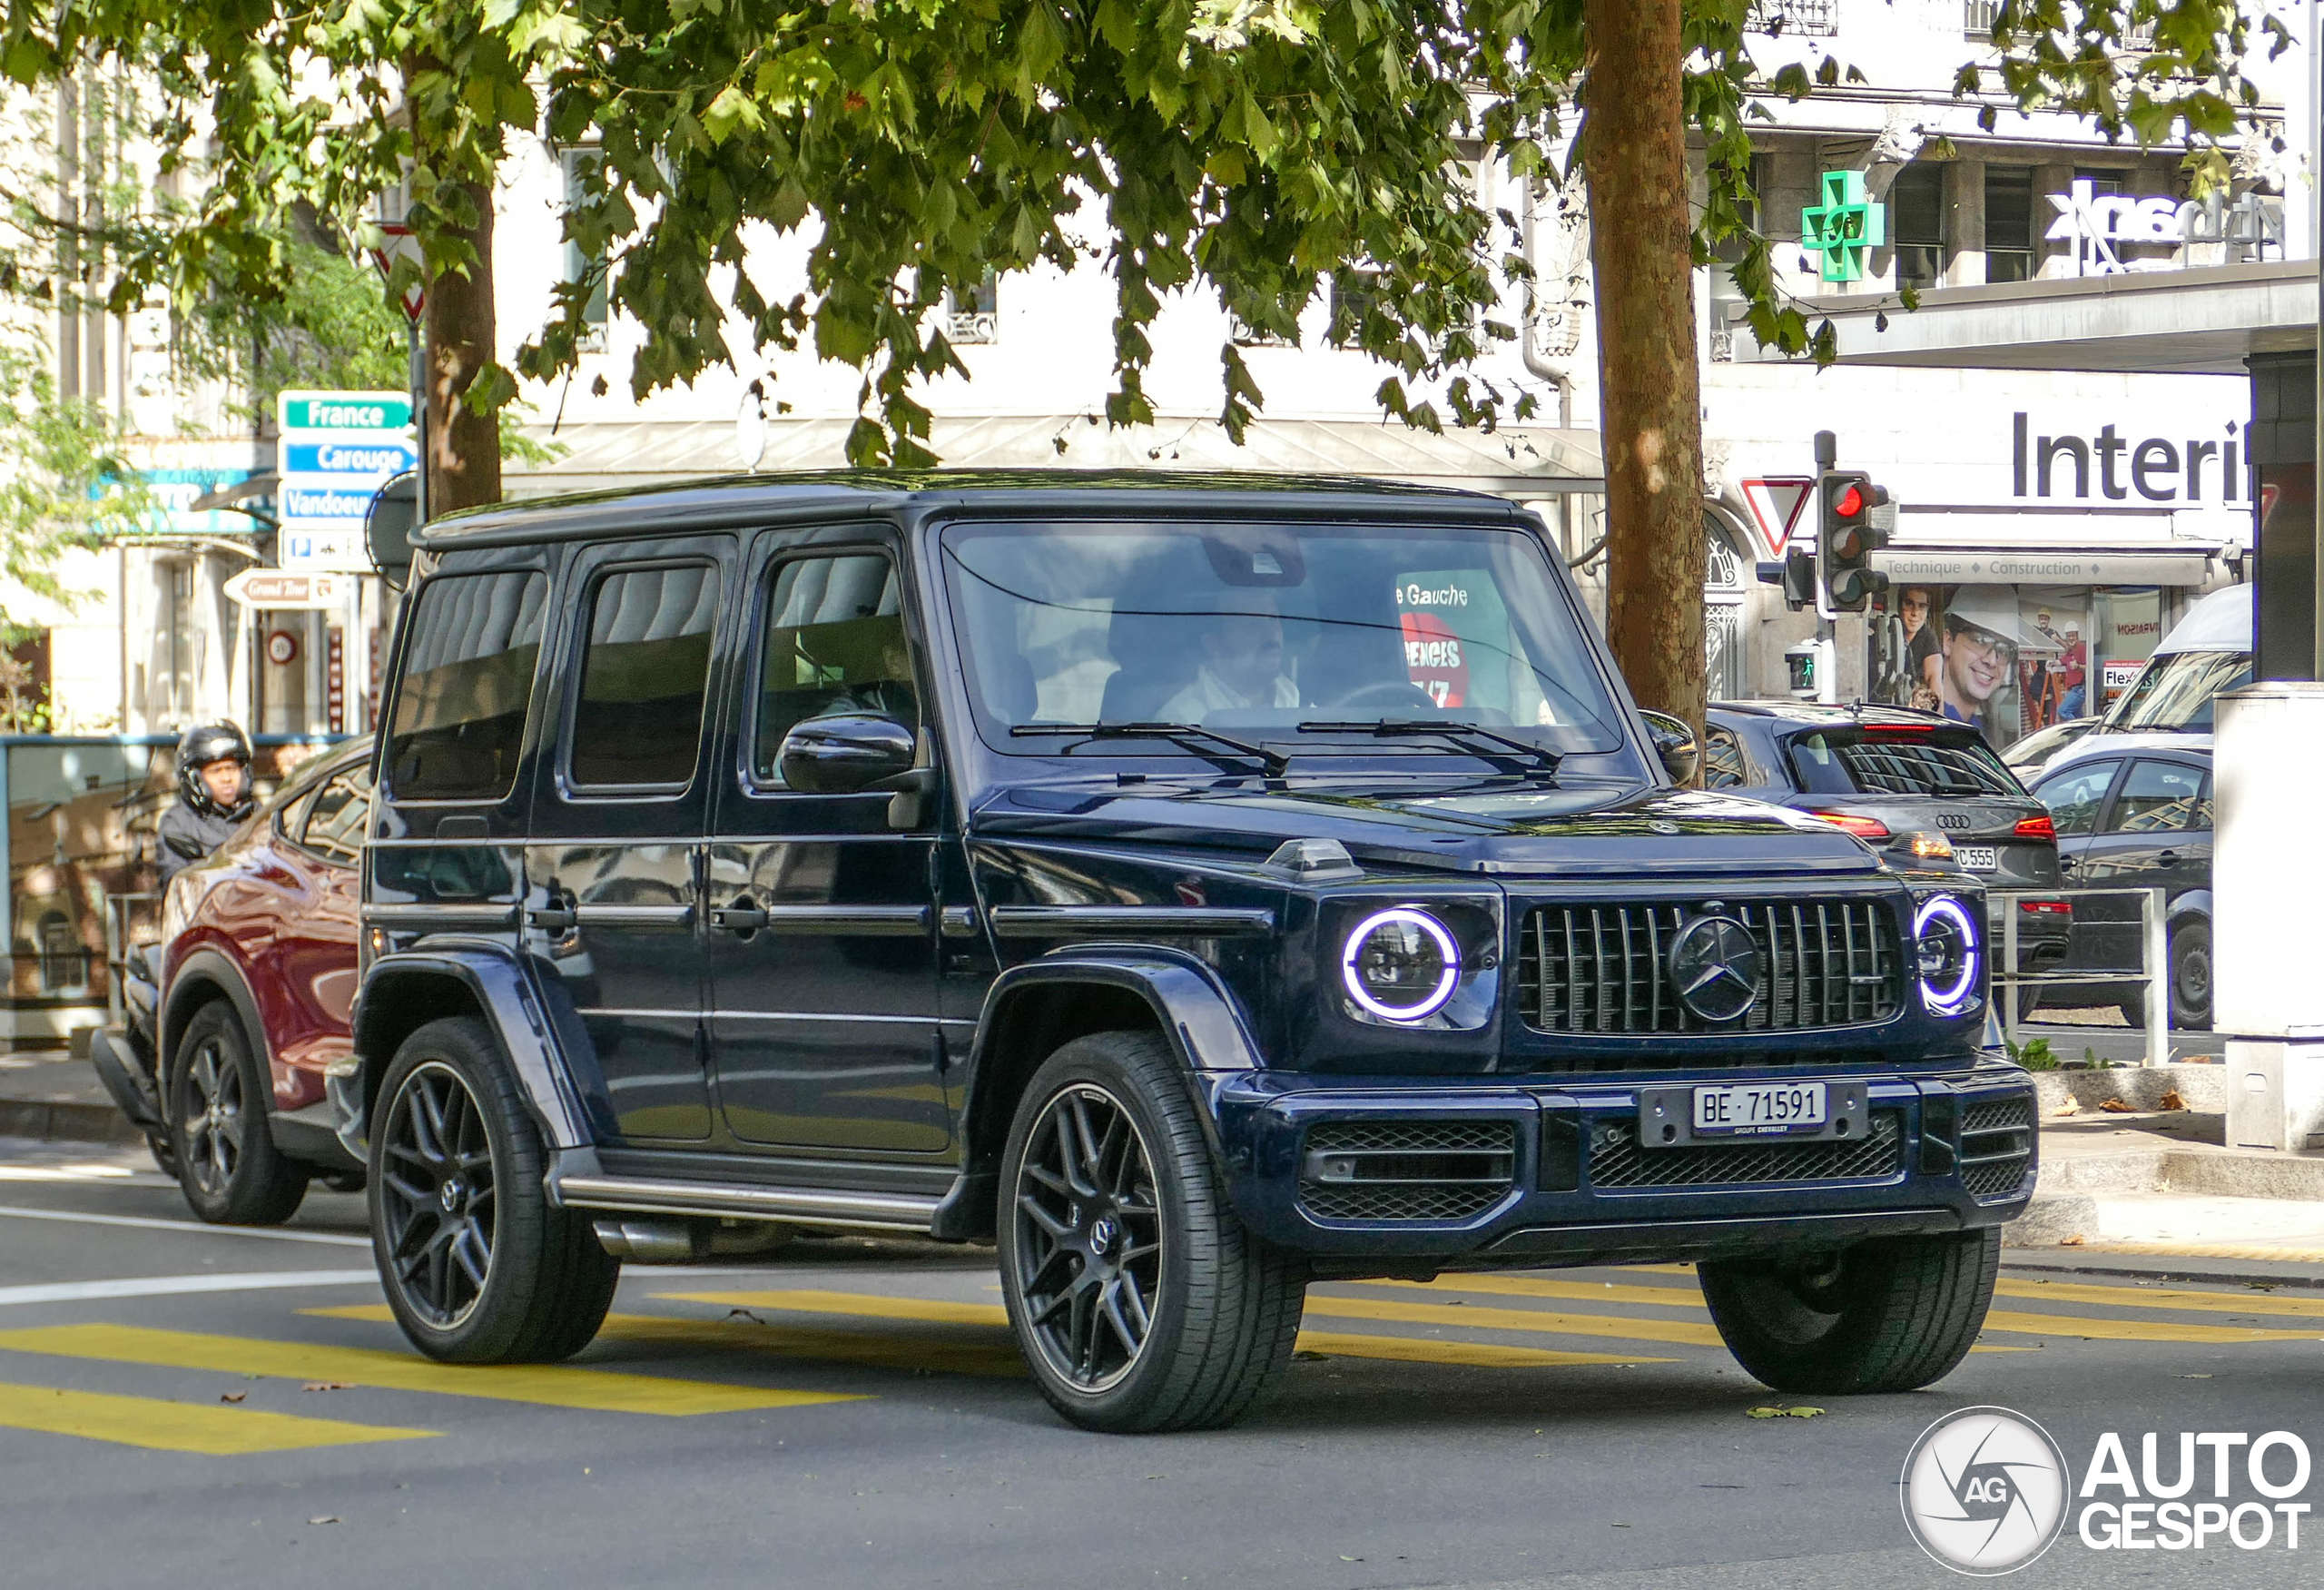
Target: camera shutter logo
{"points": [[1985, 1491]]}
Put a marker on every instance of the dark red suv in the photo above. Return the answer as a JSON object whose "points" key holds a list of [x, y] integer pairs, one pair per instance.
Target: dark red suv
{"points": [[257, 981]]}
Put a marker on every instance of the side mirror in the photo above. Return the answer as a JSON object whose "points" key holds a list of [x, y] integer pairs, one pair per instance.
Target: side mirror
{"points": [[845, 752], [387, 525], [1675, 742]]}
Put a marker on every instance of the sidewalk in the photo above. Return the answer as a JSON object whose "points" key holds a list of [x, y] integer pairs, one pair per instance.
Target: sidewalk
{"points": [[46, 1095]]}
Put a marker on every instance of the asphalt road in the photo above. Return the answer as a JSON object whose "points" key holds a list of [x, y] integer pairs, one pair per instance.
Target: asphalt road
{"points": [[191, 1407]]}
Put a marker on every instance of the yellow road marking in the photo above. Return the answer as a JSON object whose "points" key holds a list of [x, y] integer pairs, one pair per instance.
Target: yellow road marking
{"points": [[178, 1426], [1518, 1286], [2075, 1325], [1401, 1350], [549, 1385], [2165, 1298], [882, 1351], [1539, 1321]]}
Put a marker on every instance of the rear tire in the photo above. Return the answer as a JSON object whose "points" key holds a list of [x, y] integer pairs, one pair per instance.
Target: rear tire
{"points": [[2190, 981], [1140, 1299], [478, 1268], [221, 1149], [1886, 1316]]}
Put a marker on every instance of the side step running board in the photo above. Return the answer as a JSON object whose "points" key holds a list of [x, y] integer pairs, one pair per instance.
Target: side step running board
{"points": [[873, 1211]]}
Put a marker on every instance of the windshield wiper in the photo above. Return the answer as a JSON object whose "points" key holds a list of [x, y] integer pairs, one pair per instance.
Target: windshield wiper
{"points": [[1190, 736], [1544, 761]]}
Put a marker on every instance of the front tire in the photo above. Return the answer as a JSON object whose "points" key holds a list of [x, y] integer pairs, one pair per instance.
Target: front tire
{"points": [[1138, 1299], [221, 1149], [1886, 1316], [478, 1268]]}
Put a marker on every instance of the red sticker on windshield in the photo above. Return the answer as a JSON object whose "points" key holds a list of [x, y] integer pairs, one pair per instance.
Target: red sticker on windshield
{"points": [[1433, 656]]}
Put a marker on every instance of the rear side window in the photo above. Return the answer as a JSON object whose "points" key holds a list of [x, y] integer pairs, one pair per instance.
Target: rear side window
{"points": [[333, 823], [1723, 764], [2160, 797], [637, 715], [1856, 763], [2074, 796], [459, 715]]}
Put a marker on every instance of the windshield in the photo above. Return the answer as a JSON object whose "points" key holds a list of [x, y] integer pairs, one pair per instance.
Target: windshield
{"points": [[1852, 763], [2175, 692], [1253, 630]]}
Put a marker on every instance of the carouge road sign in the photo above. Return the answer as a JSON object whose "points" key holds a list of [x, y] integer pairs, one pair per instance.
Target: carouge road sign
{"points": [[274, 588], [299, 410], [341, 550], [343, 452]]}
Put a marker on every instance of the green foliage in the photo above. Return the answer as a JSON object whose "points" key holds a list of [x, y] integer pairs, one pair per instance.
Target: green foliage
{"points": [[2033, 1056], [330, 328], [66, 484], [1262, 151]]}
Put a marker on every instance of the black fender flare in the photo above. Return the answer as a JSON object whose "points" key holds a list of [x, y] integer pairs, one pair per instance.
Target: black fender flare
{"points": [[1190, 1006], [207, 969], [539, 1038]]}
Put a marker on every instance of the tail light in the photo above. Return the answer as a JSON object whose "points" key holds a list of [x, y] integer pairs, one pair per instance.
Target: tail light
{"points": [[1862, 827], [2046, 907], [2040, 827]]}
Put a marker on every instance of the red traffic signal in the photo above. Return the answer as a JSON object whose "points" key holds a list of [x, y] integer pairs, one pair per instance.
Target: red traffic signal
{"points": [[1850, 503], [1845, 539]]}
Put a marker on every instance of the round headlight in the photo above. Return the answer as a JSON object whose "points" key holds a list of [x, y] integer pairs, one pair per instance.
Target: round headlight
{"points": [[1944, 942], [1400, 965]]}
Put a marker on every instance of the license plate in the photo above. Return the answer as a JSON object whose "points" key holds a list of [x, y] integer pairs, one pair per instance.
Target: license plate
{"points": [[1758, 1109], [1977, 858]]}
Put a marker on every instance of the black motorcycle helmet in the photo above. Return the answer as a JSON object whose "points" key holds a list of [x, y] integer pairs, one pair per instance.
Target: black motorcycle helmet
{"points": [[197, 749]]}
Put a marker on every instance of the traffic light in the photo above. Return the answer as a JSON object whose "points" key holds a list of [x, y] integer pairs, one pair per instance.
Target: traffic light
{"points": [[1845, 539]]}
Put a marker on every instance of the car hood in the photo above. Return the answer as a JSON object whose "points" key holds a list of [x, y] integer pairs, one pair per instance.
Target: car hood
{"points": [[1579, 830]]}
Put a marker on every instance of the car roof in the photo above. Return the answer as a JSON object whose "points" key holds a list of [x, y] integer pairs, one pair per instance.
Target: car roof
{"points": [[1815, 715], [2127, 747], [713, 503], [2220, 621]]}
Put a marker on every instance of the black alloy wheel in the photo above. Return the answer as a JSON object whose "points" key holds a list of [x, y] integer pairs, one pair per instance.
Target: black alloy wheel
{"points": [[2191, 977], [1088, 1246], [477, 1265], [223, 1151], [440, 1215]]}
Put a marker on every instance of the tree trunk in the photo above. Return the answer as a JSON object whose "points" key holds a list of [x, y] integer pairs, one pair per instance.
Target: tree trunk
{"points": [[1634, 154], [463, 448]]}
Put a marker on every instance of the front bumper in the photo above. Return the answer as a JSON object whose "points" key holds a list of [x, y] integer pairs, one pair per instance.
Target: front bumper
{"points": [[1955, 1151]]}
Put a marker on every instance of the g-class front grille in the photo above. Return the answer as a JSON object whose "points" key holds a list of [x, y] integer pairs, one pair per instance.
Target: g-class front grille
{"points": [[1603, 968], [1617, 1163], [1440, 1170], [1996, 1148]]}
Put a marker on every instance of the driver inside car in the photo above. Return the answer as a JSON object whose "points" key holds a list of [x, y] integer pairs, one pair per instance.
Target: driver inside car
{"points": [[1242, 667]]}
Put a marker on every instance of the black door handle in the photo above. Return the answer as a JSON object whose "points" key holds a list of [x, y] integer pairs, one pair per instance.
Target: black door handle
{"points": [[742, 916], [2169, 858], [2064, 862], [553, 918]]}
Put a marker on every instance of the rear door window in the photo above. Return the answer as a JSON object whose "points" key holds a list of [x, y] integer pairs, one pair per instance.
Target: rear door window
{"points": [[637, 712], [331, 826], [2159, 797], [2075, 796], [1724, 766], [467, 683], [1853, 762]]}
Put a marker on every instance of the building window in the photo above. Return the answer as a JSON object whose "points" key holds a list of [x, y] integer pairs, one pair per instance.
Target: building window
{"points": [[974, 316], [1243, 334], [1353, 294], [579, 165], [2013, 243], [2104, 184], [1977, 17], [1818, 17], [1917, 213]]}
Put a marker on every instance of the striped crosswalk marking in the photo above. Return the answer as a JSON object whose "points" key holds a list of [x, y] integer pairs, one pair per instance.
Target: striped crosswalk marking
{"points": [[178, 1426], [2093, 1327], [1400, 1350], [548, 1384], [1541, 1321], [2171, 1299], [1526, 1286]]}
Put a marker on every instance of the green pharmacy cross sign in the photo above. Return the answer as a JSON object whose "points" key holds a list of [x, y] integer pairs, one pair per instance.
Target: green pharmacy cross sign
{"points": [[1844, 226]]}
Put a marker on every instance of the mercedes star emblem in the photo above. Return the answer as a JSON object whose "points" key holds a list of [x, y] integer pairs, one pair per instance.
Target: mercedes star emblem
{"points": [[1715, 967]]}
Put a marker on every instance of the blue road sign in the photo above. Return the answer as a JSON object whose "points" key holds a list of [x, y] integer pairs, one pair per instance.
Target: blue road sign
{"points": [[374, 456]]}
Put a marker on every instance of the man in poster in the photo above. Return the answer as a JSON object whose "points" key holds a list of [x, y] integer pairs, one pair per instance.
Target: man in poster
{"points": [[1978, 657]]}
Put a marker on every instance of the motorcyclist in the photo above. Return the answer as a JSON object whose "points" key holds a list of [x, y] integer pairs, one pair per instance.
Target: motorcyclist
{"points": [[213, 777]]}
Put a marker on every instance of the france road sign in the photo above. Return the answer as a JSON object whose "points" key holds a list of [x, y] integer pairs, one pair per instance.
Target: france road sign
{"points": [[275, 588], [389, 412], [366, 453]]}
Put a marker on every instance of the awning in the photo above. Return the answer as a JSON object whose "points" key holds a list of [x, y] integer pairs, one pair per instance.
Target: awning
{"points": [[2188, 565], [1520, 462]]}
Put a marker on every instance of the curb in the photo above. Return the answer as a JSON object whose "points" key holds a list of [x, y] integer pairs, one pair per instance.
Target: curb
{"points": [[2214, 1271], [63, 1122]]}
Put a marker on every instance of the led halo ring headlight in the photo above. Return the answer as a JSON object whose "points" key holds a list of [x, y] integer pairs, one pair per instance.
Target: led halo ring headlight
{"points": [[1405, 955], [1946, 945]]}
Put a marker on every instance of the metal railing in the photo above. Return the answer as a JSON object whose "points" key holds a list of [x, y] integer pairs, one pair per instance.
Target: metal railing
{"points": [[1815, 18], [2154, 970]]}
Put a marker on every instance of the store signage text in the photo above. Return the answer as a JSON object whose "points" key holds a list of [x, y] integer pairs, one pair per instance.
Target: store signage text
{"points": [[2158, 469], [2099, 225]]}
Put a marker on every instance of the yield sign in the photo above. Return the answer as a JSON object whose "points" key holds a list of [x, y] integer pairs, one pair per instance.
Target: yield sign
{"points": [[1775, 501]]}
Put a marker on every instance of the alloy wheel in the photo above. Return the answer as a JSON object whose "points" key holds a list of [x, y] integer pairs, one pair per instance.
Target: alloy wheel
{"points": [[1088, 1247], [214, 1124], [437, 1189]]}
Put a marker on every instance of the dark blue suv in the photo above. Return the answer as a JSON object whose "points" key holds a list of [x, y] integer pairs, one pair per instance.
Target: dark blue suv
{"points": [[1191, 886]]}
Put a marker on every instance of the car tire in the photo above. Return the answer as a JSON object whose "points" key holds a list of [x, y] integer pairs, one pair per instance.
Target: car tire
{"points": [[1892, 1315], [477, 1265], [224, 1153], [2190, 981], [1138, 1231]]}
